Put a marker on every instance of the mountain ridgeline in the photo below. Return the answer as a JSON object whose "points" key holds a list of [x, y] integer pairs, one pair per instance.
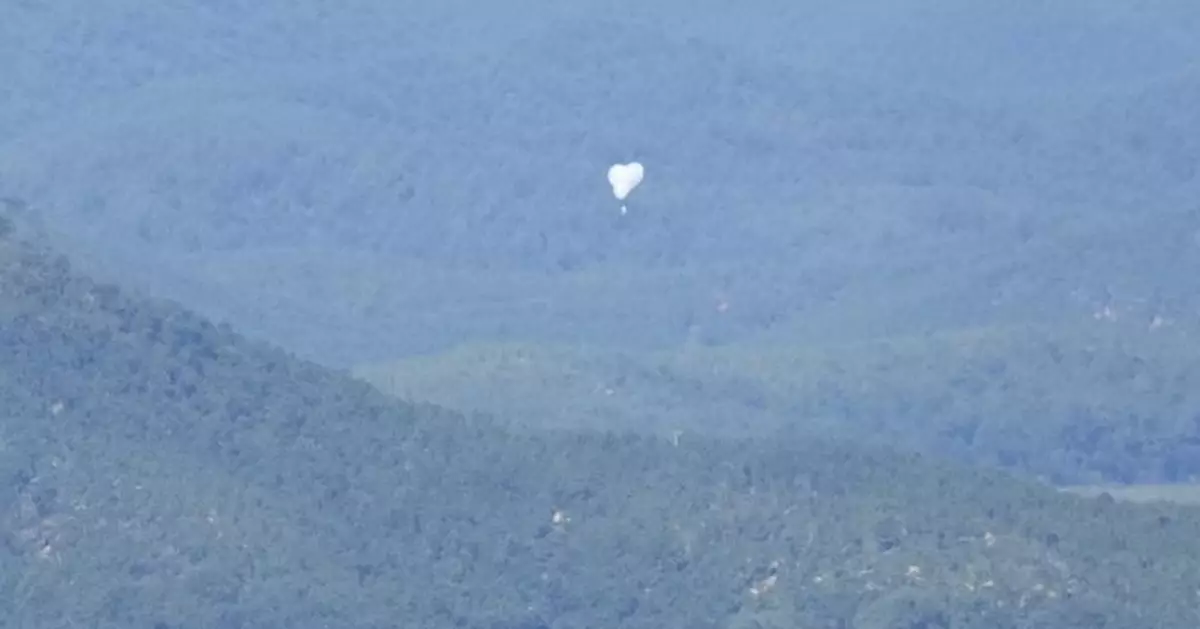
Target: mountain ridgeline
{"points": [[162, 471], [1097, 401]]}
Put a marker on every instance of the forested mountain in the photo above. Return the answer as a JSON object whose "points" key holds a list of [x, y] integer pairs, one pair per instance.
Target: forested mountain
{"points": [[165, 472], [1099, 401], [376, 181], [892, 262]]}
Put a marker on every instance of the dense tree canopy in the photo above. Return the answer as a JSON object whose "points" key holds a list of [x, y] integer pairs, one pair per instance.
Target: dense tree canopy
{"points": [[163, 471]]}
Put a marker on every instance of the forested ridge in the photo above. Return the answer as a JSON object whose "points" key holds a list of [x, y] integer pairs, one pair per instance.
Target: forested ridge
{"points": [[898, 272], [166, 472], [1100, 401]]}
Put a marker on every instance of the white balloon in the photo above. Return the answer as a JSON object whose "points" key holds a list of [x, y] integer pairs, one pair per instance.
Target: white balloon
{"points": [[624, 178]]}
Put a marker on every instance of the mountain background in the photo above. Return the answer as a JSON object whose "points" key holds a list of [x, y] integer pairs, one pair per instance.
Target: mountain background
{"points": [[381, 187], [377, 180], [915, 260]]}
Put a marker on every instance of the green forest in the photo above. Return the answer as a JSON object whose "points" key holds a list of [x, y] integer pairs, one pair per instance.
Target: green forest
{"points": [[1099, 402], [322, 315], [164, 471]]}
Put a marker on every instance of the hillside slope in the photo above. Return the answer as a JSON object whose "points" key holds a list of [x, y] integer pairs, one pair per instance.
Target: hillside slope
{"points": [[159, 471]]}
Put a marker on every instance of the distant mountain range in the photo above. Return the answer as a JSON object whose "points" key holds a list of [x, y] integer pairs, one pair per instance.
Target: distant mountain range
{"points": [[336, 183]]}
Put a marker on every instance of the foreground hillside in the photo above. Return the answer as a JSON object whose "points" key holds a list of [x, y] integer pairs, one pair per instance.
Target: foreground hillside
{"points": [[160, 471]]}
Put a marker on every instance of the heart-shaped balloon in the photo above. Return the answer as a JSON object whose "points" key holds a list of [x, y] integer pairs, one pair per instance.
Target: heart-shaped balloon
{"points": [[624, 178]]}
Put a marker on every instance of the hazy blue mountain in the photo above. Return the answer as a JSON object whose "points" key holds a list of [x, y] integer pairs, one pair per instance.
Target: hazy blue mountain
{"points": [[945, 150], [966, 231]]}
